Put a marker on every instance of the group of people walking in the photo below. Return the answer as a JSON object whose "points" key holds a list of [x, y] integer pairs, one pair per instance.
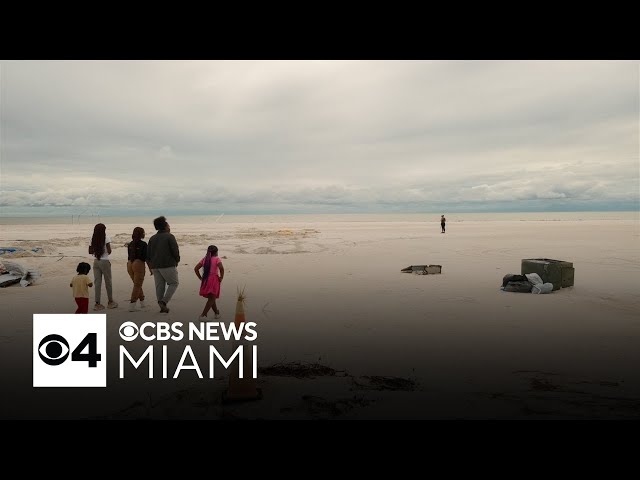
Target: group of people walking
{"points": [[161, 255]]}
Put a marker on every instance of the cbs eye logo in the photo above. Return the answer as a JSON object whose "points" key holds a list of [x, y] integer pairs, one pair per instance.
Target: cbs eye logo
{"points": [[129, 331], [69, 350], [54, 350]]}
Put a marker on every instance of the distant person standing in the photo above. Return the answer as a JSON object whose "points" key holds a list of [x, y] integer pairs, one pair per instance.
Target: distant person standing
{"points": [[100, 248], [163, 257], [443, 221]]}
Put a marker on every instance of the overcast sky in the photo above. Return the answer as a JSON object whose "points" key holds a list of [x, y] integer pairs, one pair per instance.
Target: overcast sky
{"points": [[318, 136]]}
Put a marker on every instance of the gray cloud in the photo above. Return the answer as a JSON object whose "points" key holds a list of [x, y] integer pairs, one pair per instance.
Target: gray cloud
{"points": [[296, 135]]}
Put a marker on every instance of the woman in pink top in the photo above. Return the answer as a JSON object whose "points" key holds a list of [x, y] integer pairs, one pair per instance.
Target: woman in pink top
{"points": [[210, 280]]}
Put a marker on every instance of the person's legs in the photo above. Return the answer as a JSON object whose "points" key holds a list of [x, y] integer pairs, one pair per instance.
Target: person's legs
{"points": [[215, 308], [83, 305], [171, 276], [106, 271], [137, 275], [131, 276], [160, 283], [210, 301], [141, 271], [97, 269]]}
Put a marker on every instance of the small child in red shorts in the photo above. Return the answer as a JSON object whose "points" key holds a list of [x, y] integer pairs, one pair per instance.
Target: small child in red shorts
{"points": [[80, 284]]}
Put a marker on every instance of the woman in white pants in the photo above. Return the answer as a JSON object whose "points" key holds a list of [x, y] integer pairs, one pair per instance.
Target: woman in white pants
{"points": [[100, 248]]}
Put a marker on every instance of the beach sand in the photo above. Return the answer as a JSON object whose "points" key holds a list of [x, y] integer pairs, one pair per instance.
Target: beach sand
{"points": [[395, 345]]}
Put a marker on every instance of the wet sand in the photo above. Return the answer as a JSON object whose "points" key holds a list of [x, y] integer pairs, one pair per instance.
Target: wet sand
{"points": [[392, 344]]}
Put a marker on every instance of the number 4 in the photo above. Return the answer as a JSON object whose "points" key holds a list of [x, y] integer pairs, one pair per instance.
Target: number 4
{"points": [[92, 357]]}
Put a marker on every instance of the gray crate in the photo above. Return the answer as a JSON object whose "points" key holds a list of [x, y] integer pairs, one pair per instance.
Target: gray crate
{"points": [[558, 272], [567, 276]]}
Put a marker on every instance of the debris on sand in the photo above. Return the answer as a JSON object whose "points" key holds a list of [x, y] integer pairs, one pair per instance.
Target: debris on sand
{"points": [[298, 370], [13, 272], [423, 269], [319, 407], [386, 383], [544, 385]]}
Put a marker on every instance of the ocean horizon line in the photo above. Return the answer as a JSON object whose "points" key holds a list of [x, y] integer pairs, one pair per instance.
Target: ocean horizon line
{"points": [[289, 213]]}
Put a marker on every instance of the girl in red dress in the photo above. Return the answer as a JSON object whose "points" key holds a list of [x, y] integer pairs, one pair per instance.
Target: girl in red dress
{"points": [[210, 280]]}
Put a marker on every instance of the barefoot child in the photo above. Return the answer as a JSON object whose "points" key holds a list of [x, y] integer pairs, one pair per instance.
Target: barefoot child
{"points": [[210, 280], [80, 284]]}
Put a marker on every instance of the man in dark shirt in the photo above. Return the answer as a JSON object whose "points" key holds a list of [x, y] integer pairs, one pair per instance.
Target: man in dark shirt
{"points": [[164, 256]]}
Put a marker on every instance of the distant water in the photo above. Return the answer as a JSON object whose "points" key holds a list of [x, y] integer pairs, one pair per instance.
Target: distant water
{"points": [[330, 218]]}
